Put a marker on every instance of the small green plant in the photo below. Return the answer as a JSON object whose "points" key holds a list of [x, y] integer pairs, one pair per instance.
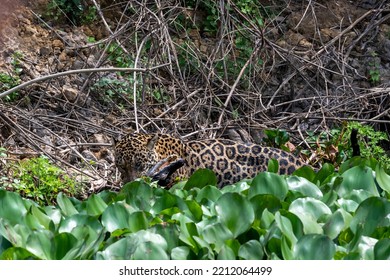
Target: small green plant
{"points": [[335, 146], [90, 15], [369, 140], [276, 138], [114, 88], [10, 80], [7, 82], [15, 62], [374, 74], [40, 180], [252, 9], [74, 11], [160, 96], [212, 18]]}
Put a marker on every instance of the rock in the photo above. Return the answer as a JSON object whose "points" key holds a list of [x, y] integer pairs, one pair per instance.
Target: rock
{"points": [[70, 93], [89, 156], [57, 44], [99, 138], [63, 57], [44, 51]]}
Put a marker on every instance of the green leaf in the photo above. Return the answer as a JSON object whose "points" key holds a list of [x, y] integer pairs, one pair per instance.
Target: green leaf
{"points": [[90, 238], [273, 166], [348, 204], [357, 178], [337, 222], [265, 201], [17, 235], [383, 178], [54, 214], [269, 183], [358, 195], [167, 201], [210, 193], [123, 249], [226, 253], [267, 218], [201, 178], [170, 232], [115, 216], [40, 243], [205, 251], [309, 206], [95, 205], [141, 245], [236, 221], [4, 243], [17, 253], [357, 162], [274, 247], [238, 187], [306, 172], [66, 205], [63, 243], [139, 220], [194, 210], [180, 253], [251, 250], [41, 216], [150, 251], [32, 222], [371, 213], [12, 207], [309, 210], [287, 251], [330, 198], [234, 245], [187, 231], [314, 247], [326, 171], [304, 187], [138, 194], [296, 223], [382, 249], [285, 227], [73, 223], [365, 248], [216, 234]]}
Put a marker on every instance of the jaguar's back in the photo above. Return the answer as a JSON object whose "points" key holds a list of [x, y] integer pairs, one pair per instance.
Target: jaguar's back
{"points": [[231, 161]]}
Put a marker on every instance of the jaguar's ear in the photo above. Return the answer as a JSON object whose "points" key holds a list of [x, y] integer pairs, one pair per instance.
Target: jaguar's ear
{"points": [[152, 142]]}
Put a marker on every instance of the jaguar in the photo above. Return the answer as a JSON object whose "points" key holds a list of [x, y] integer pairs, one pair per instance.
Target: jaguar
{"points": [[167, 157]]}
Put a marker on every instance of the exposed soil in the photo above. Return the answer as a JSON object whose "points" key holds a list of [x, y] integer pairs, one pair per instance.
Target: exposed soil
{"points": [[318, 67]]}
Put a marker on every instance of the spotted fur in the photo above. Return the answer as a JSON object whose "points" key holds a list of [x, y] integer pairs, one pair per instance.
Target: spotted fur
{"points": [[138, 153]]}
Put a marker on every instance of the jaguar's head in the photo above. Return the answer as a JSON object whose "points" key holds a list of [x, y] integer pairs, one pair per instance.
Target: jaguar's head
{"points": [[135, 155]]}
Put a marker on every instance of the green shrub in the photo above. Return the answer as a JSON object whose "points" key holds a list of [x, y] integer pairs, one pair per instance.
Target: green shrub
{"points": [[39, 180], [335, 147], [369, 141]]}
